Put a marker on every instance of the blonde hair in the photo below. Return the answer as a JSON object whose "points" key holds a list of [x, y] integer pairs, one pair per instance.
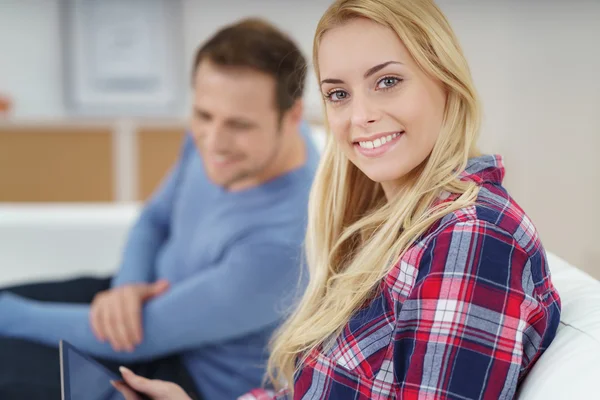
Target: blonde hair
{"points": [[354, 235]]}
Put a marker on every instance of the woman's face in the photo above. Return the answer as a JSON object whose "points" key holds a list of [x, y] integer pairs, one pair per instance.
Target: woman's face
{"points": [[383, 110]]}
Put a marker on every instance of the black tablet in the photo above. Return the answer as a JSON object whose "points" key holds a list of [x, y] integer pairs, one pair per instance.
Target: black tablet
{"points": [[82, 377]]}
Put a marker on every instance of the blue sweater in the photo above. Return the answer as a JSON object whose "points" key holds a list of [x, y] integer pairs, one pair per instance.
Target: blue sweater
{"points": [[233, 259]]}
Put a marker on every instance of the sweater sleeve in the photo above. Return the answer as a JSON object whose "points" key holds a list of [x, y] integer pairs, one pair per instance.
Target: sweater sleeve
{"points": [[152, 227], [244, 293]]}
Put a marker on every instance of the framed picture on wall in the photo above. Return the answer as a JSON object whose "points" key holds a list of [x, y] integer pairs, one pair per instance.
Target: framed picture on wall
{"points": [[123, 57]]}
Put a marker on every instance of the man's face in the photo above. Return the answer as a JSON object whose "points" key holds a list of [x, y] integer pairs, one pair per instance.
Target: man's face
{"points": [[235, 122]]}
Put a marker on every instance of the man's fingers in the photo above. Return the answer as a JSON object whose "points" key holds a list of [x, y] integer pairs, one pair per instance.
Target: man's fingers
{"points": [[154, 289], [133, 321], [96, 322], [96, 316], [116, 315], [115, 328], [107, 325], [120, 323]]}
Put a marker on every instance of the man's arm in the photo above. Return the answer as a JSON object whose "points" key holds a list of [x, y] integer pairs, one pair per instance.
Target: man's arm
{"points": [[152, 227], [243, 294]]}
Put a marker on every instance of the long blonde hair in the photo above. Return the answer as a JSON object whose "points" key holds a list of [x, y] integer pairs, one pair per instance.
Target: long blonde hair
{"points": [[354, 235]]}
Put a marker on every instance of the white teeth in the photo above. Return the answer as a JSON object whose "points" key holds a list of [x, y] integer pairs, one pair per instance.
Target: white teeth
{"points": [[378, 142]]}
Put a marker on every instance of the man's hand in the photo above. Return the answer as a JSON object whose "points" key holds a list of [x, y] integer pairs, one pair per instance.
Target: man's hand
{"points": [[155, 389], [116, 314]]}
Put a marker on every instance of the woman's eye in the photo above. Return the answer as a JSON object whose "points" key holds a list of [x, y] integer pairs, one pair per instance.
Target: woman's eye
{"points": [[387, 82], [337, 95]]}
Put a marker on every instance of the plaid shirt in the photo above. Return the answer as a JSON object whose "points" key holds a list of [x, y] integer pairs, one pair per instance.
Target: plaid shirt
{"points": [[464, 314]]}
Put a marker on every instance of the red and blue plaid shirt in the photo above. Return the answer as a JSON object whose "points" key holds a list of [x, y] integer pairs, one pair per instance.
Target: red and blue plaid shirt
{"points": [[464, 314]]}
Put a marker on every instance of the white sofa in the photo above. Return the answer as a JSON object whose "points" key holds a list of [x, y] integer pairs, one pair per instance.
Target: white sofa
{"points": [[55, 241], [58, 241], [570, 368]]}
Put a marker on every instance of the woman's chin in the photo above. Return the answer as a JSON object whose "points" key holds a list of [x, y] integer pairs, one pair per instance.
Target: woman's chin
{"points": [[381, 175]]}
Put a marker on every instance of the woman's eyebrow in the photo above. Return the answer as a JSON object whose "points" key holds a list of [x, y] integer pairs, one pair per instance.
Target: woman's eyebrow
{"points": [[369, 72]]}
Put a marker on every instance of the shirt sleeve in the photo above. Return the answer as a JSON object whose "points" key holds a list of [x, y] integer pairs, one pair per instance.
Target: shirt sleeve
{"points": [[472, 321], [246, 292], [152, 228]]}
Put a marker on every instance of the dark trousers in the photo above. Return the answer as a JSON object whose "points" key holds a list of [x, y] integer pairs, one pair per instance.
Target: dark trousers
{"points": [[32, 371]]}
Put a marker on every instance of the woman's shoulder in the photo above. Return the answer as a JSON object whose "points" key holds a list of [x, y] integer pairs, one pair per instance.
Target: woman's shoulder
{"points": [[493, 209], [480, 255], [491, 239]]}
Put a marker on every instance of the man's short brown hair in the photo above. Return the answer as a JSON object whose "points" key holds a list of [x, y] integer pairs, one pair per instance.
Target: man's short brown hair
{"points": [[256, 44]]}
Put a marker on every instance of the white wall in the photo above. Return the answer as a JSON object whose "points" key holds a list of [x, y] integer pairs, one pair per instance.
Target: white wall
{"points": [[30, 45], [535, 64], [298, 18], [30, 61]]}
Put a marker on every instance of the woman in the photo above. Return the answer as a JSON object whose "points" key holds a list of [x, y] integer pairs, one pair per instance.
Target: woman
{"points": [[427, 280]]}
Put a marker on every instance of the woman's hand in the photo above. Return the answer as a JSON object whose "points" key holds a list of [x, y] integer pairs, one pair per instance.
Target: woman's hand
{"points": [[155, 389]]}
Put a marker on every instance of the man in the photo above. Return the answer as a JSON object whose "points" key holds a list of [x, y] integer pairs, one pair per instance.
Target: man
{"points": [[215, 252]]}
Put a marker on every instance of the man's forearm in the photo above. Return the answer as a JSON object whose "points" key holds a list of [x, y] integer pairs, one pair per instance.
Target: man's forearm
{"points": [[49, 323]]}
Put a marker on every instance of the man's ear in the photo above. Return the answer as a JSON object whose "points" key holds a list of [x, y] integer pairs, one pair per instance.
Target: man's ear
{"points": [[296, 113]]}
